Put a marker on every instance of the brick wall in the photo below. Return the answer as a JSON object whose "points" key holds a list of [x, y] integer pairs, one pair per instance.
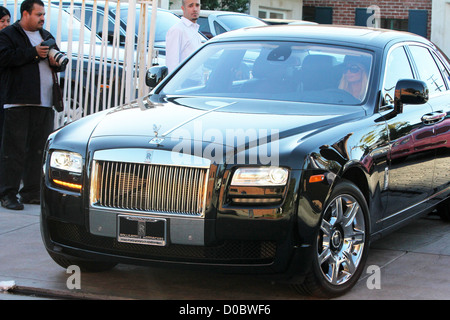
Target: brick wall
{"points": [[344, 11]]}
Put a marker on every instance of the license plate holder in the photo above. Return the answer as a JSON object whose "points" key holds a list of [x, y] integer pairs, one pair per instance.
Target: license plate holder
{"points": [[142, 230]]}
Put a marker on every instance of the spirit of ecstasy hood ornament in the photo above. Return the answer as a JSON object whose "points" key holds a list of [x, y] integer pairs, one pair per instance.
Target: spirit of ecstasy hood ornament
{"points": [[156, 140]]}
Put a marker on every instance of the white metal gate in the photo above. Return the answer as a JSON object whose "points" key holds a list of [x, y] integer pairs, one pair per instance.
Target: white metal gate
{"points": [[103, 71]]}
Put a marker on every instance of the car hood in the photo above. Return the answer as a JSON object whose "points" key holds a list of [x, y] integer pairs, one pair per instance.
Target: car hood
{"points": [[207, 118]]}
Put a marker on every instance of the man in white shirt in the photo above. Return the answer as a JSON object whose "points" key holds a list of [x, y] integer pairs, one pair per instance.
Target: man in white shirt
{"points": [[183, 38]]}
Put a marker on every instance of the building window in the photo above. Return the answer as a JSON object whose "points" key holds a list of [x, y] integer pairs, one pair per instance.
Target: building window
{"points": [[394, 24], [271, 14], [323, 15], [309, 13], [419, 22]]}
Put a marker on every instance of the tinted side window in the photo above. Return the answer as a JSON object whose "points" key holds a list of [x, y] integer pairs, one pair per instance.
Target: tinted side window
{"points": [[100, 18], [445, 73], [397, 67], [427, 68], [77, 13], [204, 25], [218, 28]]}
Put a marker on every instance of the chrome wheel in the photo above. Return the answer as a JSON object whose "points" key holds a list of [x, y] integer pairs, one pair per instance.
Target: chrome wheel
{"points": [[341, 239], [341, 246]]}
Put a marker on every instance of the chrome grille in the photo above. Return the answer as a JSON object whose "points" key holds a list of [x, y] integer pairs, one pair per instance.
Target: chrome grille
{"points": [[165, 189]]}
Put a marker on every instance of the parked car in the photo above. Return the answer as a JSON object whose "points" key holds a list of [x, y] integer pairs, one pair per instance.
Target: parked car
{"points": [[67, 23], [214, 22], [99, 14], [287, 21], [165, 19], [256, 156]]}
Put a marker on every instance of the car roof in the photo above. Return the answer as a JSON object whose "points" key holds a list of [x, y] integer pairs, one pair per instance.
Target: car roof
{"points": [[217, 12], [100, 5], [206, 13], [287, 21], [359, 36]]}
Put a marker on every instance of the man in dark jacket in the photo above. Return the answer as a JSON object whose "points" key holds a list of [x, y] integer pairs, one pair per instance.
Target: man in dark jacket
{"points": [[5, 18], [27, 96]]}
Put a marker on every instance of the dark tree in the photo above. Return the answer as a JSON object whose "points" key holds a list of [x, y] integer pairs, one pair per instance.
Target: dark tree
{"points": [[210, 4], [227, 5], [235, 5]]}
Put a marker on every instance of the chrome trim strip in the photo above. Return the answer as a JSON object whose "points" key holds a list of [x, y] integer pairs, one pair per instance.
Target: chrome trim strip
{"points": [[151, 156], [406, 209]]}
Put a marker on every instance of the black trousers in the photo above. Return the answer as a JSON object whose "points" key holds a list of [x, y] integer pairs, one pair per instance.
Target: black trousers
{"points": [[25, 132], [1, 123]]}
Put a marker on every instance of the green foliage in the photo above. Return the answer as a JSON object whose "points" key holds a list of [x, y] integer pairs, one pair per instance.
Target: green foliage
{"points": [[210, 4], [226, 5], [235, 5]]}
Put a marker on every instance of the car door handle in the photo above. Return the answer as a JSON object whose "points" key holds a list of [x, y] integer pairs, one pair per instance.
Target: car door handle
{"points": [[433, 117]]}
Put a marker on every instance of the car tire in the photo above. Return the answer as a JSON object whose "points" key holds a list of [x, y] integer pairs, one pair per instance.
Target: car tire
{"points": [[443, 210], [341, 246], [84, 265]]}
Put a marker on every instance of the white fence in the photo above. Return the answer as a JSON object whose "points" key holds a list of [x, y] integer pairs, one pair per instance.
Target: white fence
{"points": [[106, 68]]}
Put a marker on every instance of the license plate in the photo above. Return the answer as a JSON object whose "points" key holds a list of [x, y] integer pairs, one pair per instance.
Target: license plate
{"points": [[142, 230]]}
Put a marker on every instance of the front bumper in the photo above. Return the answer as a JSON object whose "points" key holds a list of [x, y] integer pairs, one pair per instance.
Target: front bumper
{"points": [[219, 237]]}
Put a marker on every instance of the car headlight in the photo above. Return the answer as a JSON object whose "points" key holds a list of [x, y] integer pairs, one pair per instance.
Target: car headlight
{"points": [[260, 186], [64, 160], [261, 176], [65, 169]]}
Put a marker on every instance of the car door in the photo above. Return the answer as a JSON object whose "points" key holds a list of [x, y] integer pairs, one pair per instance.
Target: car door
{"points": [[432, 70], [411, 163]]}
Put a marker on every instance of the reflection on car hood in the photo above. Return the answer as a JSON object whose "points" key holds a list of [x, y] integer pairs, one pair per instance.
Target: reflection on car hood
{"points": [[205, 118]]}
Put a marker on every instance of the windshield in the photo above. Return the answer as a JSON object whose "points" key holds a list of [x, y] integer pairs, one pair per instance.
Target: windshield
{"points": [[234, 22], [288, 71]]}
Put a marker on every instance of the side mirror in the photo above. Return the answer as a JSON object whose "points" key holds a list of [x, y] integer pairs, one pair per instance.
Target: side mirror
{"points": [[155, 75], [408, 91]]}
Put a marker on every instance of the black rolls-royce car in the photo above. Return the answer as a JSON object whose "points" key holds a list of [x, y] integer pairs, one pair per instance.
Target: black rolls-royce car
{"points": [[283, 150]]}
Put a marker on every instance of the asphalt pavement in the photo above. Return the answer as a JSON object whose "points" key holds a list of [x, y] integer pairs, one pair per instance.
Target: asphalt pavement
{"points": [[411, 263]]}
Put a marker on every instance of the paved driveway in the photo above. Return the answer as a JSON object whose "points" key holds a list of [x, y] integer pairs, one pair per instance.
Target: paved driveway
{"points": [[411, 263]]}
